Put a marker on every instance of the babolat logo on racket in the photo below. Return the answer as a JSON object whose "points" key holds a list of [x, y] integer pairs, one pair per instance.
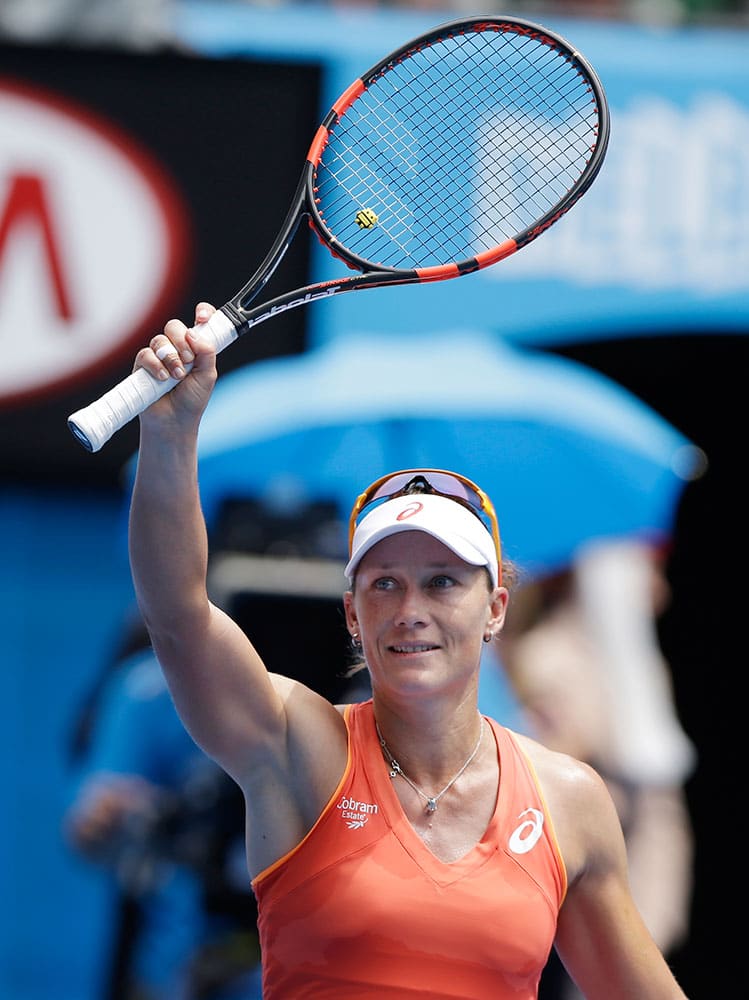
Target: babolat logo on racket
{"points": [[283, 306], [366, 219]]}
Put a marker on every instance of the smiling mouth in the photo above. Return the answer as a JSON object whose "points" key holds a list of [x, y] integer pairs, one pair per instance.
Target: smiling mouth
{"points": [[420, 648]]}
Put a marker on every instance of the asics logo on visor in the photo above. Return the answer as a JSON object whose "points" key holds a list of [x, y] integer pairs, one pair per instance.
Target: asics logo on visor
{"points": [[413, 508]]}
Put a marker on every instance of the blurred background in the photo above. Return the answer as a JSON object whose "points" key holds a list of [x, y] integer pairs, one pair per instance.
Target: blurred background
{"points": [[148, 152]]}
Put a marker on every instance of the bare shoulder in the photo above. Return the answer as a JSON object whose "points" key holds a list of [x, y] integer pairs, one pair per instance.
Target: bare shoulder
{"points": [[302, 742], [573, 777], [581, 809]]}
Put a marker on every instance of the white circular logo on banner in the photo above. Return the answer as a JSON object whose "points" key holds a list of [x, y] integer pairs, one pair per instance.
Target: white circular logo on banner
{"points": [[93, 239]]}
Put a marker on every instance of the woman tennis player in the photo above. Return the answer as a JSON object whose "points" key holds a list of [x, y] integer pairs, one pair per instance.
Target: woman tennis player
{"points": [[405, 846]]}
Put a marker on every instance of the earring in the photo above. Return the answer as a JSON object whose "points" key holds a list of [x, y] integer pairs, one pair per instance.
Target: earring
{"points": [[356, 641], [489, 637]]}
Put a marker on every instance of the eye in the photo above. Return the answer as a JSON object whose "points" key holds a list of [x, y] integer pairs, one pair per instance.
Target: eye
{"points": [[384, 583], [442, 581]]}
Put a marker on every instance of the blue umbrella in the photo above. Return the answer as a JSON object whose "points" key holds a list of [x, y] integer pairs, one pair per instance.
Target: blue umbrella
{"points": [[566, 454]]}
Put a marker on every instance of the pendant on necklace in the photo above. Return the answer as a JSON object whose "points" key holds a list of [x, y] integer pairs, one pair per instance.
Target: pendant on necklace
{"points": [[431, 800]]}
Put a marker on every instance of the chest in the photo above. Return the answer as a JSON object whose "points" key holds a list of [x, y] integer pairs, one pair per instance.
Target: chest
{"points": [[382, 896], [367, 900], [461, 817]]}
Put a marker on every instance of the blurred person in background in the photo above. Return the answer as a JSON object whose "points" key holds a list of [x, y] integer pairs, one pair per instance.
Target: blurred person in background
{"points": [[166, 825], [582, 657]]}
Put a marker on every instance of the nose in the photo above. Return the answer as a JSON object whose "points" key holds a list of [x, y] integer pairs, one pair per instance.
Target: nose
{"points": [[410, 611]]}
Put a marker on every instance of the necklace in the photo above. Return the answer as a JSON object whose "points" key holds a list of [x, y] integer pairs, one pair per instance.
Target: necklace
{"points": [[395, 769]]}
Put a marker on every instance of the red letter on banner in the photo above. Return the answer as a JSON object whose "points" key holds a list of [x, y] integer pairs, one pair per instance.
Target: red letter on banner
{"points": [[27, 202]]}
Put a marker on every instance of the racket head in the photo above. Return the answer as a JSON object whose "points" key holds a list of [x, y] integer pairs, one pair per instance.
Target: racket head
{"points": [[457, 149]]}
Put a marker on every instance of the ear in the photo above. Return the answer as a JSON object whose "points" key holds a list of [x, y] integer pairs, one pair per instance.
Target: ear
{"points": [[498, 609], [352, 622]]}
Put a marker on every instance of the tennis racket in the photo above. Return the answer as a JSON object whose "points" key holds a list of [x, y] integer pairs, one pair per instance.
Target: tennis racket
{"points": [[450, 154]]}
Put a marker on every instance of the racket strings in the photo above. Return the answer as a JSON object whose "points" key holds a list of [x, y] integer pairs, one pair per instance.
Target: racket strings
{"points": [[456, 149], [546, 76]]}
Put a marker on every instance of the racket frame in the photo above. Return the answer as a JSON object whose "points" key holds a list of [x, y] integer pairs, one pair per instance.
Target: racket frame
{"points": [[95, 424], [371, 275]]}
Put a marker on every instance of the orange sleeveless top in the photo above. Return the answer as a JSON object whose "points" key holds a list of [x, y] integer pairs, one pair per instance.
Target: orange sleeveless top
{"points": [[362, 909]]}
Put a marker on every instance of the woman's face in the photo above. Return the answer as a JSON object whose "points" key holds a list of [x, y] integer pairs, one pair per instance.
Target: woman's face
{"points": [[421, 613]]}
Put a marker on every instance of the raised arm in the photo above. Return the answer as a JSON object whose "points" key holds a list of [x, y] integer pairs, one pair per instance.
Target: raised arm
{"points": [[265, 730], [211, 667]]}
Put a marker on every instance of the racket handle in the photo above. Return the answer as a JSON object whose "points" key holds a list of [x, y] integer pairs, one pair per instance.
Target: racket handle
{"points": [[95, 424]]}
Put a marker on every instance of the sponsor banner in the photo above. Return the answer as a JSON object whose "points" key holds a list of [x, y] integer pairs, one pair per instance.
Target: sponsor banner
{"points": [[132, 186]]}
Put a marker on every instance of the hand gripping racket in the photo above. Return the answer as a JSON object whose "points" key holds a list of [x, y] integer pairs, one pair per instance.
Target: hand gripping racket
{"points": [[449, 155]]}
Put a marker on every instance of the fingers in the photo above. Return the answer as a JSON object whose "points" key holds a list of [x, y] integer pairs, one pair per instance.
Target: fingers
{"points": [[168, 353], [203, 312], [171, 354]]}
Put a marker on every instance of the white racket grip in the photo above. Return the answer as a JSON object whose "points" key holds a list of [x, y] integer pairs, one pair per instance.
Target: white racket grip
{"points": [[95, 424]]}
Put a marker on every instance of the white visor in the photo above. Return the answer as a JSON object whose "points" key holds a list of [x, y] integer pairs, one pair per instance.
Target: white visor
{"points": [[444, 519]]}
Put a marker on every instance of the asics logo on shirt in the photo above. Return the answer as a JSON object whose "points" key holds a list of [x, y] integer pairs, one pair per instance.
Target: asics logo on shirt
{"points": [[356, 813], [525, 836]]}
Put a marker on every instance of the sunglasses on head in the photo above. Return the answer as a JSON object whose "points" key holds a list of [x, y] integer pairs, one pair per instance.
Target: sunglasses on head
{"points": [[445, 484]]}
